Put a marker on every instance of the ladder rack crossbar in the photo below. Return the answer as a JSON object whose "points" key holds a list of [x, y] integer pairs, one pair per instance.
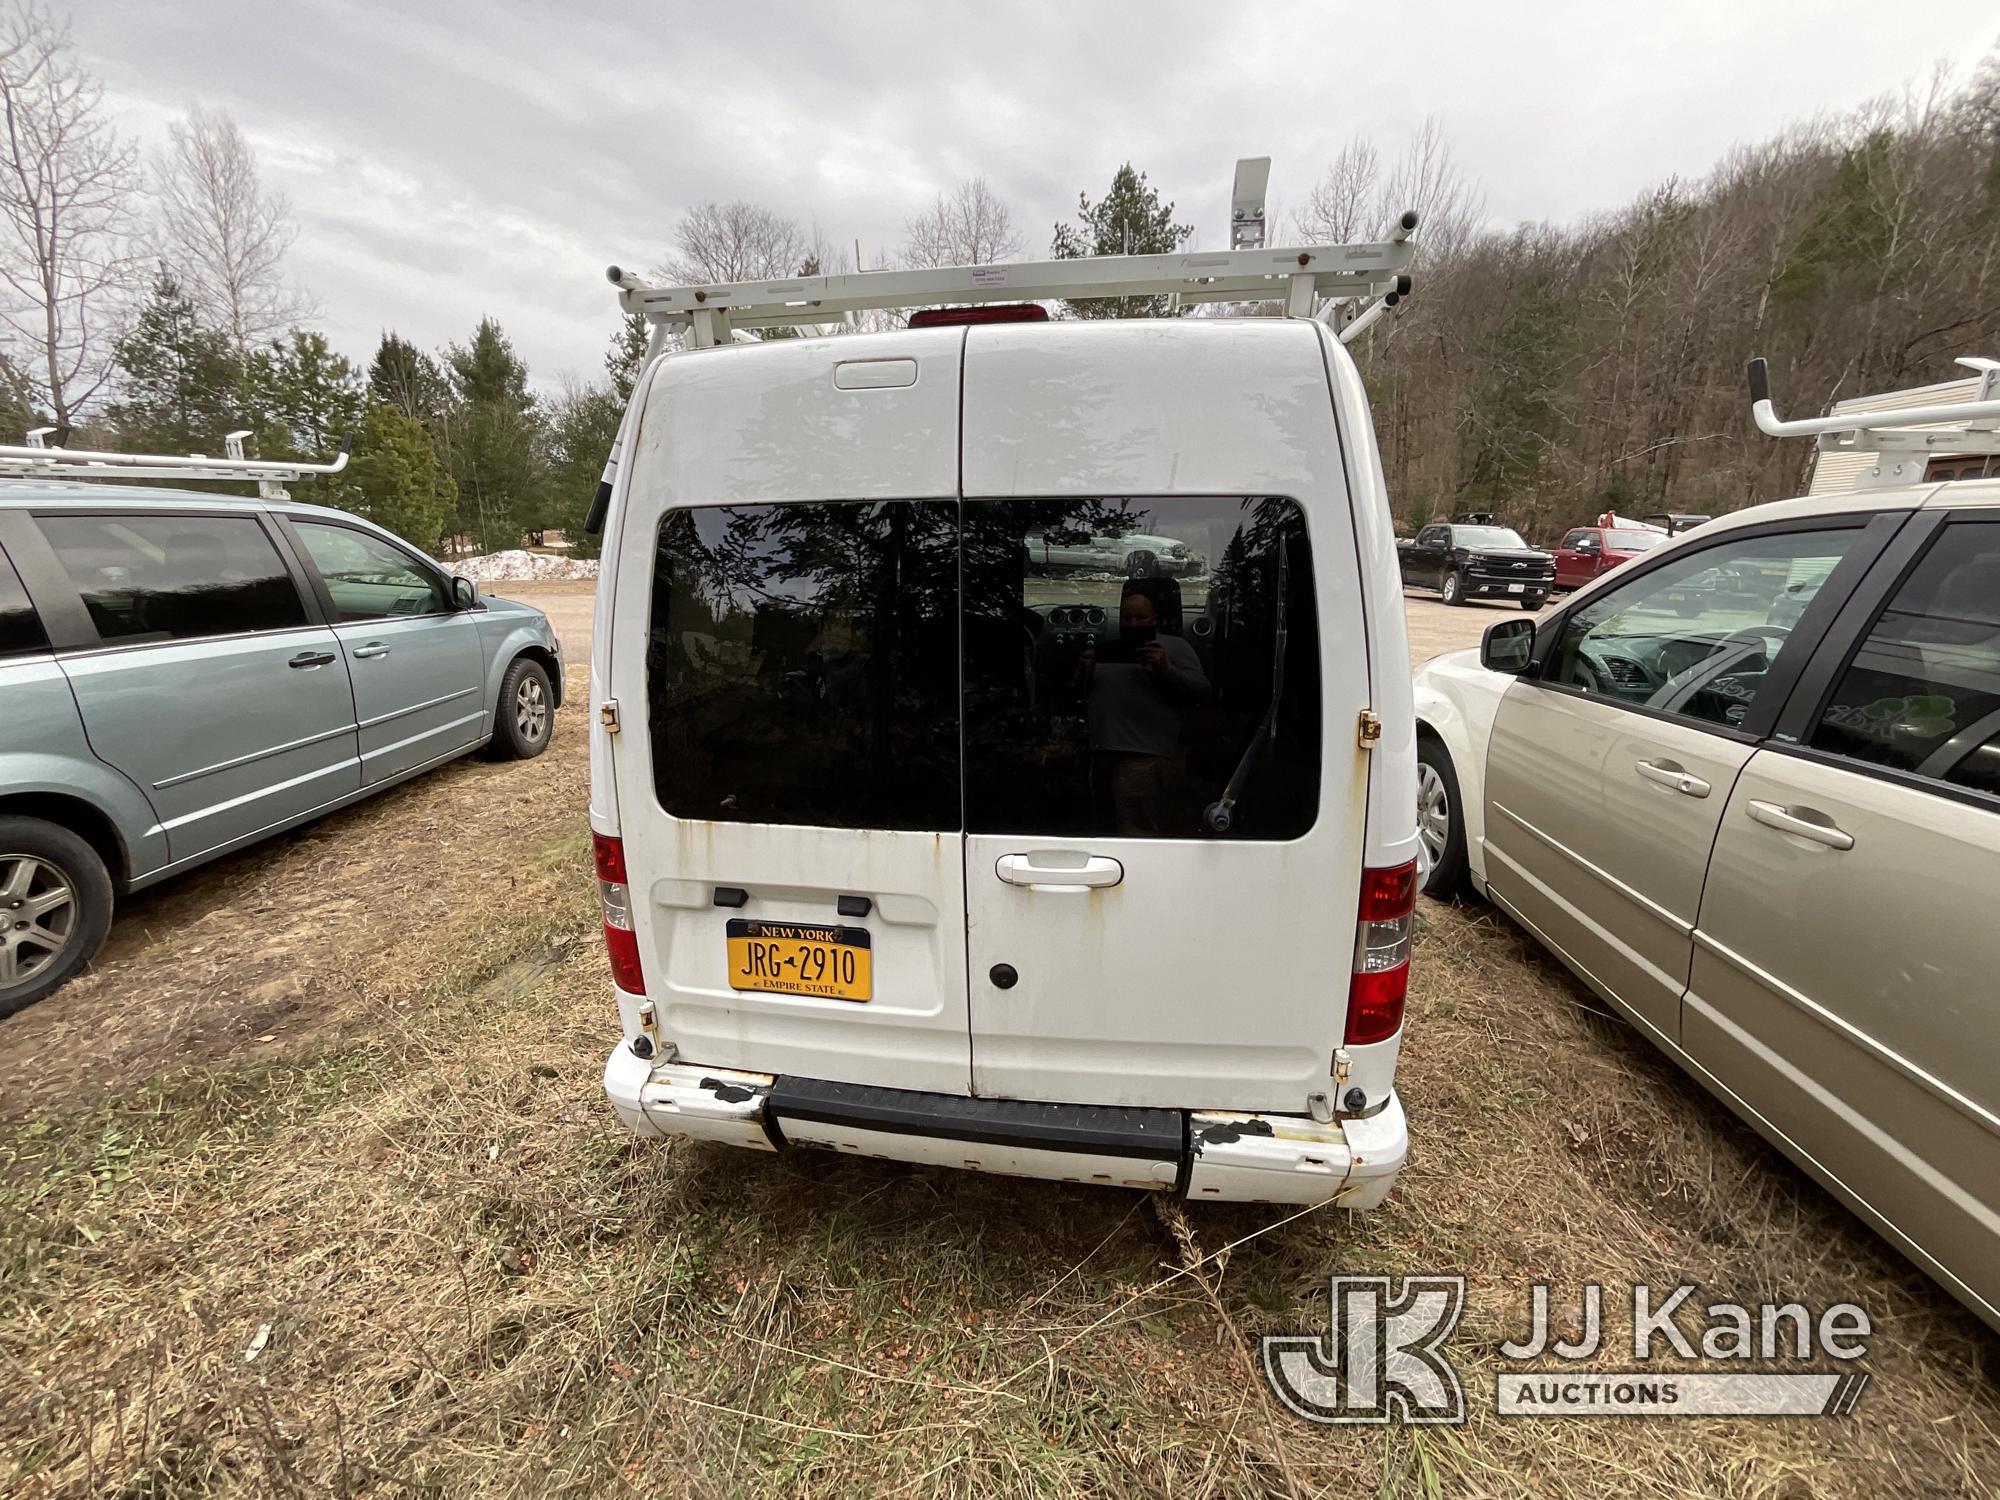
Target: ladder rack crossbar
{"points": [[1317, 271]]}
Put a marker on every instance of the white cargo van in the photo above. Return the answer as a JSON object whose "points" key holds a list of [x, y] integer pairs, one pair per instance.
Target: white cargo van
{"points": [[1004, 753]]}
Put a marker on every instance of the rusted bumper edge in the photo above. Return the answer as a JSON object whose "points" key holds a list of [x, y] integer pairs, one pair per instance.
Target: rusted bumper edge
{"points": [[1225, 1157], [710, 1104], [1244, 1158]]}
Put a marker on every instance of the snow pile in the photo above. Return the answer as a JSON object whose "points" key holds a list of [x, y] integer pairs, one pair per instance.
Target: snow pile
{"points": [[518, 566]]}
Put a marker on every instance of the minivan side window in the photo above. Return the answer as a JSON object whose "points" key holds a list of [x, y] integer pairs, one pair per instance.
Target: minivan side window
{"points": [[167, 577], [367, 578], [1133, 703], [20, 627], [1696, 636], [1922, 690], [802, 664]]}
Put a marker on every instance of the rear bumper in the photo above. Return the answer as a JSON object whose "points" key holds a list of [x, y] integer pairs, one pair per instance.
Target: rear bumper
{"points": [[1206, 1155]]}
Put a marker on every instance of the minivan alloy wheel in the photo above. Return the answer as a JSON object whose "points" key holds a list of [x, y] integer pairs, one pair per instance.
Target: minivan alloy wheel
{"points": [[1433, 820], [531, 708], [39, 912]]}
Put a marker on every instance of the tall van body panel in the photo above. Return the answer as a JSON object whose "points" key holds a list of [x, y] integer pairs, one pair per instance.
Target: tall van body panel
{"points": [[1392, 767], [1164, 627], [786, 757]]}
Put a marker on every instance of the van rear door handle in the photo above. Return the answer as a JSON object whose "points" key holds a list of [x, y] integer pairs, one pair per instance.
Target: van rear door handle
{"points": [[1059, 870], [1789, 820], [1671, 773], [373, 648]]}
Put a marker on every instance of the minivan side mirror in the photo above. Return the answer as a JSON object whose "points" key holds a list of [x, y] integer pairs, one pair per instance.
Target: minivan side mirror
{"points": [[1507, 647], [465, 593]]}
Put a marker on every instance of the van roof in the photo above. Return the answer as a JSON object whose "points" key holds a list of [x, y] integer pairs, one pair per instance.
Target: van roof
{"points": [[837, 347], [16, 495], [25, 494]]}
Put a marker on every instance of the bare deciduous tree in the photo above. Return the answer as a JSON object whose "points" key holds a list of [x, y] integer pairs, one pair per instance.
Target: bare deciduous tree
{"points": [[735, 241], [967, 227], [66, 185], [1342, 205], [225, 235], [1427, 179], [1355, 200]]}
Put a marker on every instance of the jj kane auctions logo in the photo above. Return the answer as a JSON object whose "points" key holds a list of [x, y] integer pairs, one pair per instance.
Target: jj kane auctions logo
{"points": [[1383, 1357]]}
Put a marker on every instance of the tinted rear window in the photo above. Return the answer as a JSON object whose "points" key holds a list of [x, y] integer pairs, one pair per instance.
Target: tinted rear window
{"points": [[1132, 664], [20, 628], [802, 664], [160, 578], [1128, 667]]}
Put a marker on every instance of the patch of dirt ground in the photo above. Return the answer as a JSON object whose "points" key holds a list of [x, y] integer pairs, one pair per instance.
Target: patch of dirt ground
{"points": [[331, 928]]}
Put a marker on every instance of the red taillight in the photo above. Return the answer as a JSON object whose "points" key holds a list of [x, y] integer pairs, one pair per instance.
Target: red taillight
{"points": [[616, 898], [1381, 954], [1385, 894], [992, 312], [610, 856]]}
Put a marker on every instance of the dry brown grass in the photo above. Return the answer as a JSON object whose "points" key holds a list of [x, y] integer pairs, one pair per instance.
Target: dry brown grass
{"points": [[462, 1279]]}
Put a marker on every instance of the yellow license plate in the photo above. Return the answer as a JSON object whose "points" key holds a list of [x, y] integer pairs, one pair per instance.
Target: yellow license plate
{"points": [[797, 958]]}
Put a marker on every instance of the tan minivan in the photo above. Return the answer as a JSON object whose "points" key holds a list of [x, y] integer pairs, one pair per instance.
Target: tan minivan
{"points": [[1748, 789]]}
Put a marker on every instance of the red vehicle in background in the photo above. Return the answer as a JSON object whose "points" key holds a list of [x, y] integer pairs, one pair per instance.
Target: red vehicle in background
{"points": [[1587, 551]]}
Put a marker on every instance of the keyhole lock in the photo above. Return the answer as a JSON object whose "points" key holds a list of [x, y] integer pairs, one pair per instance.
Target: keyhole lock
{"points": [[1003, 976]]}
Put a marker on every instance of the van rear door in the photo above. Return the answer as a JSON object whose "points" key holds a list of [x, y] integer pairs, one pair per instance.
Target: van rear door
{"points": [[788, 766], [1165, 799]]}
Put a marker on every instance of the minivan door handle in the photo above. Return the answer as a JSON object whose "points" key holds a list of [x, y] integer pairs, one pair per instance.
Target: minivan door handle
{"points": [[1789, 820], [305, 661], [1059, 870], [373, 648], [1671, 773]]}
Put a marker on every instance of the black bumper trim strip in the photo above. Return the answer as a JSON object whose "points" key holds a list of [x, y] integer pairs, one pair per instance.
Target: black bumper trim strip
{"points": [[1110, 1130]]}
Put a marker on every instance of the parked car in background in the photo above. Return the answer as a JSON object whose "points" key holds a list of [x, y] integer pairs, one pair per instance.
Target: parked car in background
{"points": [[1586, 552], [1069, 549], [1760, 815], [1477, 560], [185, 673]]}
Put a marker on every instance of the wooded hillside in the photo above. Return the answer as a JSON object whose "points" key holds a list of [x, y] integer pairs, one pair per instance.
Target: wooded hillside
{"points": [[1551, 371]]}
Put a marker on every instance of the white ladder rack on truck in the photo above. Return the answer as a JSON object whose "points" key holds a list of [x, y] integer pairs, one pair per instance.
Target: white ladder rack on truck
{"points": [[1308, 279], [1346, 286], [1903, 440]]}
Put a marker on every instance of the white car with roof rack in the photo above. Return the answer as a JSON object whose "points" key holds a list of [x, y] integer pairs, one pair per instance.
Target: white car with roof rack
{"points": [[908, 850]]}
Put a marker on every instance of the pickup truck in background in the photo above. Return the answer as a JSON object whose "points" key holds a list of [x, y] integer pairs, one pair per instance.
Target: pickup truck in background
{"points": [[1587, 551], [1477, 559]]}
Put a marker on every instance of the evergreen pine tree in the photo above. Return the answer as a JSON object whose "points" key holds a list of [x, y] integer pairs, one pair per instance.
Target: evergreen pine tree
{"points": [[1130, 219]]}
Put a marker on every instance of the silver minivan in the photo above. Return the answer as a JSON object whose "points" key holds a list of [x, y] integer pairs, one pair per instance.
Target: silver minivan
{"points": [[184, 673], [1747, 787]]}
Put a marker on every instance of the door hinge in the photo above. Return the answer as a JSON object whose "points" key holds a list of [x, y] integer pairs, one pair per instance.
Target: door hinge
{"points": [[1368, 729], [607, 715]]}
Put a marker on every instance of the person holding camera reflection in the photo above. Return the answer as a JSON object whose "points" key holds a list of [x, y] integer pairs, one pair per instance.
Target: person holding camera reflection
{"points": [[1136, 691]]}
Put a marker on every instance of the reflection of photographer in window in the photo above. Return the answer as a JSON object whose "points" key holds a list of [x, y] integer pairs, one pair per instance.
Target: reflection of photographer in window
{"points": [[1137, 689]]}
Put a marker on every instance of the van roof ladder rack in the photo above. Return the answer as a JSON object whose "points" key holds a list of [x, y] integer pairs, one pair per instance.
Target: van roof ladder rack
{"points": [[1310, 280], [1905, 439], [32, 460]]}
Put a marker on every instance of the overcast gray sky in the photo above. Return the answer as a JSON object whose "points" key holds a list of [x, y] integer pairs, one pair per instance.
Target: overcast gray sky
{"points": [[447, 160]]}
